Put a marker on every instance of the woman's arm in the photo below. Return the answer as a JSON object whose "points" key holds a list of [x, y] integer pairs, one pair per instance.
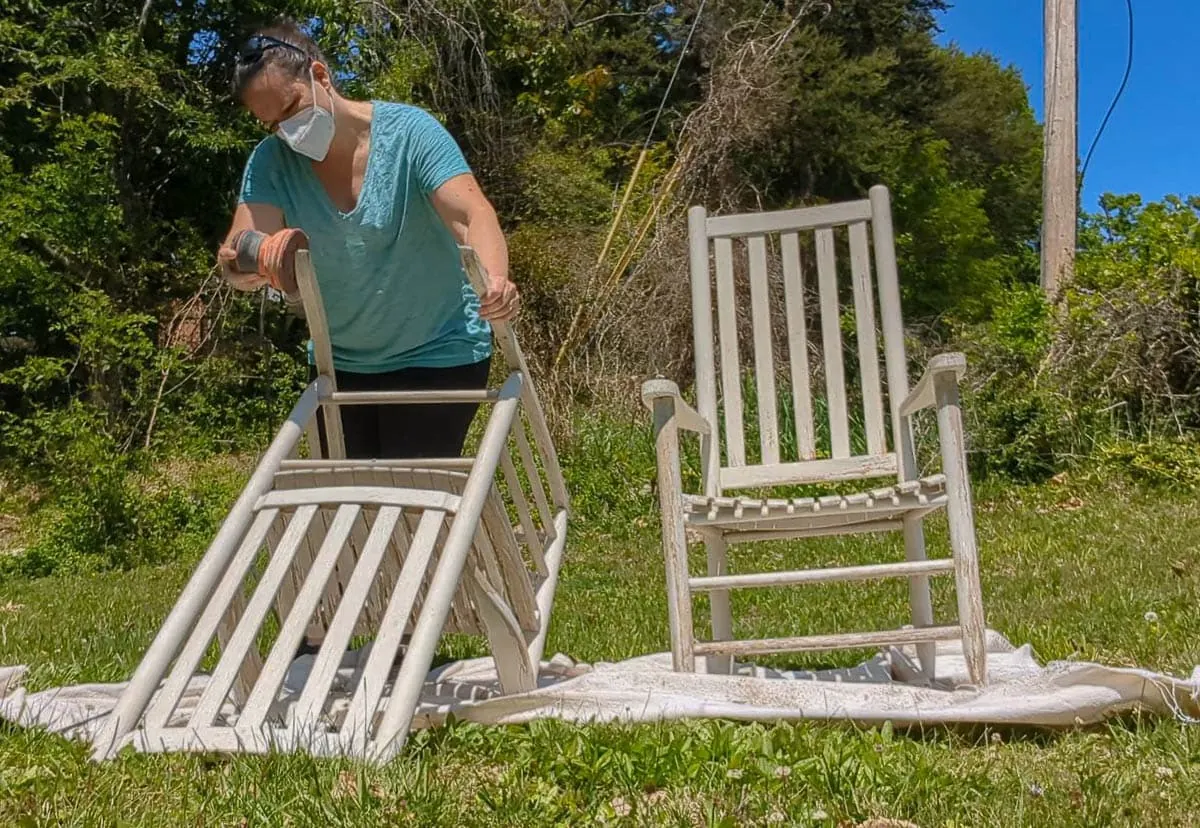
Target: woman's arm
{"points": [[473, 221], [265, 218]]}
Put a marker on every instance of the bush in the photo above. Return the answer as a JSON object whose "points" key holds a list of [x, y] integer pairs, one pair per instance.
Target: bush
{"points": [[117, 516], [1112, 370]]}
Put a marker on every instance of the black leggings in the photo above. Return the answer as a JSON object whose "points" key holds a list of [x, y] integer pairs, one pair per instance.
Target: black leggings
{"points": [[410, 430]]}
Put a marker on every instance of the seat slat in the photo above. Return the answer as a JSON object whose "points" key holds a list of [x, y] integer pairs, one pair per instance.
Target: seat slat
{"points": [[244, 637], [292, 628], [341, 628], [370, 687], [230, 587]]}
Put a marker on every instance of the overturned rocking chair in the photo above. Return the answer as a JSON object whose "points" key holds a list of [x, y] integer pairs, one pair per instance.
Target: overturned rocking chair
{"points": [[723, 516], [332, 551]]}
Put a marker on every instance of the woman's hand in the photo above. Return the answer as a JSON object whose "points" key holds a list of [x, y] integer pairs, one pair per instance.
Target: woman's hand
{"points": [[226, 257], [502, 301]]}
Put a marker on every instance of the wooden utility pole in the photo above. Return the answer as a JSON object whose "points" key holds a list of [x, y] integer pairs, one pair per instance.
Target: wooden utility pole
{"points": [[1060, 185]]}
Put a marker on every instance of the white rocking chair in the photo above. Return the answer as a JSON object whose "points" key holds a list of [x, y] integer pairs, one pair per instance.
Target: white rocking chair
{"points": [[333, 550], [722, 519]]}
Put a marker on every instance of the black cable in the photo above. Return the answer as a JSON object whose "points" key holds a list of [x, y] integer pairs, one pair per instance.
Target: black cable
{"points": [[1125, 80]]}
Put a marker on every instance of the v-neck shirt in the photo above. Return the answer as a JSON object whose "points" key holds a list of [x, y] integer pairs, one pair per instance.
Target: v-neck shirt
{"points": [[389, 270]]}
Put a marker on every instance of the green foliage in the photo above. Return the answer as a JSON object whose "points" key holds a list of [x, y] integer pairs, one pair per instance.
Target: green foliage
{"points": [[1115, 364]]}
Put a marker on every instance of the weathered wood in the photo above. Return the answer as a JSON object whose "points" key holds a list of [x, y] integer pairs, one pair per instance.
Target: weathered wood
{"points": [[731, 378], [256, 612], [318, 327], [230, 586], [533, 539], [804, 218], [291, 630], [840, 641], [962, 526], [831, 340], [534, 477], [865, 572], [764, 357], [686, 417], [702, 339], [923, 394], [452, 463], [505, 638], [857, 524], [868, 347], [722, 520], [345, 619], [413, 397], [447, 575], [369, 691], [670, 494], [362, 495], [797, 326], [811, 471]]}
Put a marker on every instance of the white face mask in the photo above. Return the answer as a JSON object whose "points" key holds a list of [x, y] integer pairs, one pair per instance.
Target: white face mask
{"points": [[310, 131]]}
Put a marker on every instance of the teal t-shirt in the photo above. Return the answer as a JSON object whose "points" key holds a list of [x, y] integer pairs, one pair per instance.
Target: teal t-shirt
{"points": [[389, 270]]}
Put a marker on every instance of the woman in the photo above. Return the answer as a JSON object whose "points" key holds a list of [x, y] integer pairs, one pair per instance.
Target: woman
{"points": [[385, 196]]}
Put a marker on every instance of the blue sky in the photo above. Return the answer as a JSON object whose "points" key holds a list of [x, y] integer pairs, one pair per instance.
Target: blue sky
{"points": [[1151, 143]]}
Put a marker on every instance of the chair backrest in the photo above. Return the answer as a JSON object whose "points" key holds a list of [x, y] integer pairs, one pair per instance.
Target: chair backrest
{"points": [[766, 261]]}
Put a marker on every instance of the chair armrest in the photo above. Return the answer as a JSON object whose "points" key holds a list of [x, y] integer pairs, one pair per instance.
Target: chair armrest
{"points": [[923, 395], [686, 416]]}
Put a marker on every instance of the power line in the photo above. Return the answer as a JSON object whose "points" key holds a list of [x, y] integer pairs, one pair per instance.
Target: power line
{"points": [[1117, 97], [678, 63]]}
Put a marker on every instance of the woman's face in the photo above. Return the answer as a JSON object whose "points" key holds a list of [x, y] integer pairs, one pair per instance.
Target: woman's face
{"points": [[274, 95]]}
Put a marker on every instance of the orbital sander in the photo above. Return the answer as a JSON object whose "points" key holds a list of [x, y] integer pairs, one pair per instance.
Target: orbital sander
{"points": [[272, 256]]}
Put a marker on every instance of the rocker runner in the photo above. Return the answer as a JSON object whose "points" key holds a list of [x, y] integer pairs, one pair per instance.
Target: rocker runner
{"points": [[385, 196]]}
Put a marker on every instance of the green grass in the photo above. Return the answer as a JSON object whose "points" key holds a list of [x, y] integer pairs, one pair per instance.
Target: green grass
{"points": [[1073, 568]]}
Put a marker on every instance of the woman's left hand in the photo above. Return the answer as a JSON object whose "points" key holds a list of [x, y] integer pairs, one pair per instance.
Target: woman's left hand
{"points": [[502, 301]]}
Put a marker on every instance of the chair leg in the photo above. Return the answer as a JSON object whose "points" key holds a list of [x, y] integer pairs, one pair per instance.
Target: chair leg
{"points": [[919, 599], [674, 537], [722, 615], [962, 528]]}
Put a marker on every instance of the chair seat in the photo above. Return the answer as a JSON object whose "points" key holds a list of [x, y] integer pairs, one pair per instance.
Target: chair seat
{"points": [[761, 514]]}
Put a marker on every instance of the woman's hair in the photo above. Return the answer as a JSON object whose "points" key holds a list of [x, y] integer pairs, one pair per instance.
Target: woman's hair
{"points": [[263, 49]]}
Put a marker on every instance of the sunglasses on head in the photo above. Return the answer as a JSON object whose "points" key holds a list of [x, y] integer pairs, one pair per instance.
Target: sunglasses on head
{"points": [[254, 48]]}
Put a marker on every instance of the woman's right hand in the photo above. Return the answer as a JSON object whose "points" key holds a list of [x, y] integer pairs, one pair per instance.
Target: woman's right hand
{"points": [[226, 258]]}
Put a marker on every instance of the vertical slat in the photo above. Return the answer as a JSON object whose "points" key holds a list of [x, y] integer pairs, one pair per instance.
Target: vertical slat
{"points": [[229, 588], [764, 358], [535, 478], [868, 347], [731, 383], [292, 628], [395, 620], [345, 619], [831, 334], [702, 333], [497, 535], [256, 611], [533, 541], [797, 327]]}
